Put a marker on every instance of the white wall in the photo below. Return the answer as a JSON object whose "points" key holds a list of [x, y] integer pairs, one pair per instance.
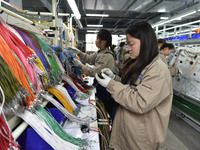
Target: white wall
{"points": [[90, 41]]}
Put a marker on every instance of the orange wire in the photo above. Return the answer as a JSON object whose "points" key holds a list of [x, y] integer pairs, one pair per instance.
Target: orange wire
{"points": [[16, 68], [103, 112]]}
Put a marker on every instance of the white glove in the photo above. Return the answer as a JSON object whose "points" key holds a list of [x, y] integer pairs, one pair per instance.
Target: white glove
{"points": [[179, 71], [104, 82], [76, 62], [108, 72], [73, 49]]}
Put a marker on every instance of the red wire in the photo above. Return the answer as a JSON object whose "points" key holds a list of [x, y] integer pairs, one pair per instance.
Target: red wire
{"points": [[78, 86], [5, 143], [104, 139], [103, 112]]}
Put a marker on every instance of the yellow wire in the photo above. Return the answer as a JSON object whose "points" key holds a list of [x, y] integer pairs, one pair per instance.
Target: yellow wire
{"points": [[62, 99], [41, 66]]}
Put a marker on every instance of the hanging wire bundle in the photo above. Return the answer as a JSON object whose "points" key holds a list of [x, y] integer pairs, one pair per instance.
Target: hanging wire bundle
{"points": [[55, 126], [6, 139], [20, 49], [70, 116], [76, 70], [10, 99], [17, 68], [38, 50], [31, 60], [67, 96], [63, 59], [105, 128], [49, 54], [62, 99], [12, 89], [79, 93], [44, 130], [42, 75], [80, 81]]}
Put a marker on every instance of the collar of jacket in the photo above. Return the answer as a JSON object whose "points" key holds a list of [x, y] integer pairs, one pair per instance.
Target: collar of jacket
{"points": [[149, 65], [104, 51], [161, 53]]}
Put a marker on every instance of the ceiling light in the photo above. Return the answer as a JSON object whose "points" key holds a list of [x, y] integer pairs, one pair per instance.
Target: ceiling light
{"points": [[181, 16], [93, 25], [74, 8], [97, 15], [79, 23], [186, 24], [161, 23], [164, 18], [190, 13], [92, 31], [175, 18]]}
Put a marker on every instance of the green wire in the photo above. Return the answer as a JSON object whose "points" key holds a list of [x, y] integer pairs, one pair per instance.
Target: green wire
{"points": [[48, 53], [57, 128], [8, 82], [30, 84]]}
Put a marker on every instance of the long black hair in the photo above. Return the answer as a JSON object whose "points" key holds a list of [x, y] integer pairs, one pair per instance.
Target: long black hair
{"points": [[104, 34], [148, 51]]}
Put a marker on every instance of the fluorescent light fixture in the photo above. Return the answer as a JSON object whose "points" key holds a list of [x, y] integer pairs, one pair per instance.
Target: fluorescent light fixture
{"points": [[161, 23], [74, 8], [92, 31], [164, 18], [97, 15], [181, 16], [190, 13], [93, 25], [175, 18], [79, 23]]}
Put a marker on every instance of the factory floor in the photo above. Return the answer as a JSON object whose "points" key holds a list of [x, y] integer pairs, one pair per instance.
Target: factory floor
{"points": [[181, 136]]}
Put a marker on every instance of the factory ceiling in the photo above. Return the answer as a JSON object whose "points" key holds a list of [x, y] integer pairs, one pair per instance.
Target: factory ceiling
{"points": [[122, 13]]}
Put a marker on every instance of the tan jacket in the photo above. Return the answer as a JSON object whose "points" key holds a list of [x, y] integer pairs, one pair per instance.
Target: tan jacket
{"points": [[173, 70], [141, 120], [99, 60]]}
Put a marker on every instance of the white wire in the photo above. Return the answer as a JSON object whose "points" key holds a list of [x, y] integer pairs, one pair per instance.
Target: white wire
{"points": [[45, 132], [70, 82], [66, 94], [80, 94], [3, 100], [84, 120]]}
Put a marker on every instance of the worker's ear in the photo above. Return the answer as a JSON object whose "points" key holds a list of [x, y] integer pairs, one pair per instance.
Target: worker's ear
{"points": [[103, 41]]}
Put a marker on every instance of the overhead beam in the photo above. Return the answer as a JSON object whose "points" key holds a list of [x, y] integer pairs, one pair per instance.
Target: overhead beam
{"points": [[126, 6], [47, 5]]}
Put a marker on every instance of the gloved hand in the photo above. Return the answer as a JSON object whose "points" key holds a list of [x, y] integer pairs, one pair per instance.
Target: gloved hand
{"points": [[73, 49], [104, 82], [76, 62], [108, 72]]}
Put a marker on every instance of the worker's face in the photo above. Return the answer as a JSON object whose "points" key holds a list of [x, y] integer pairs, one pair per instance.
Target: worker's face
{"points": [[100, 43], [133, 46], [167, 51]]}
